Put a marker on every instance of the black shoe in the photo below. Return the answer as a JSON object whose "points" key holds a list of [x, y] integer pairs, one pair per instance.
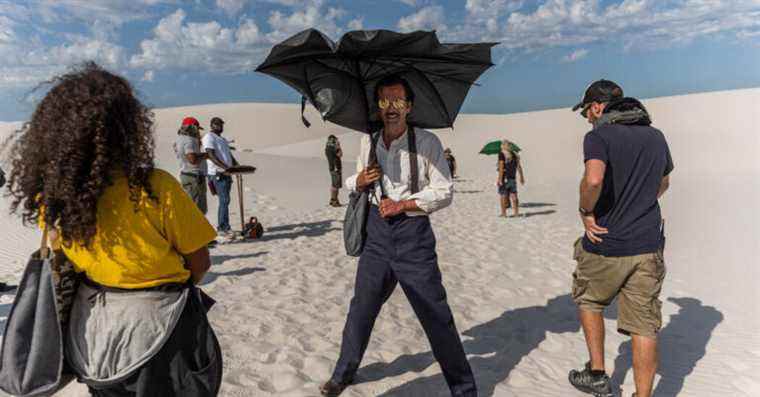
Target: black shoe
{"points": [[332, 389], [588, 382]]}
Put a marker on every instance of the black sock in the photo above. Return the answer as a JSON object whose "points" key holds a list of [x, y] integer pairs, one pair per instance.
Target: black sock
{"points": [[597, 372]]}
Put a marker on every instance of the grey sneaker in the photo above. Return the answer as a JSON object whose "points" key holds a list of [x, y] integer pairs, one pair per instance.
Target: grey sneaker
{"points": [[587, 382]]}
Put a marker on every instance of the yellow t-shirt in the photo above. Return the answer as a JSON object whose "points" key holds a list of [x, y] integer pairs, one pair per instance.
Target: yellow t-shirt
{"points": [[142, 248]]}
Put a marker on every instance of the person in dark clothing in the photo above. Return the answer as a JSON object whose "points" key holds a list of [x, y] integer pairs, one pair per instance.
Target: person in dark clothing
{"points": [[400, 245], [452, 162], [627, 168], [3, 286], [509, 167], [334, 155]]}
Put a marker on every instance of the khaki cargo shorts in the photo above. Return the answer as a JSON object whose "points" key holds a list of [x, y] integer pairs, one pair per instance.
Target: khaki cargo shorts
{"points": [[635, 280]]}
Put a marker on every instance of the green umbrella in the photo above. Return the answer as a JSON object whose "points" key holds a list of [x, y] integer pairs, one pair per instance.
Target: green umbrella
{"points": [[495, 147]]}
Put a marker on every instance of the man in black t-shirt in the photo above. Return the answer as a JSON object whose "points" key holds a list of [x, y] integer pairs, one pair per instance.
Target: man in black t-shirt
{"points": [[334, 154], [627, 167]]}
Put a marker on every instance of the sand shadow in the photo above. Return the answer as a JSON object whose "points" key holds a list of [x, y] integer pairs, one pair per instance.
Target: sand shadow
{"points": [[536, 205], [220, 259], [682, 343], [308, 229], [213, 276], [468, 191], [496, 348], [537, 213]]}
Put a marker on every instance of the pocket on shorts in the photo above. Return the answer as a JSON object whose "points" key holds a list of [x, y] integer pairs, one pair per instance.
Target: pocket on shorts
{"points": [[580, 285], [657, 314], [578, 248]]}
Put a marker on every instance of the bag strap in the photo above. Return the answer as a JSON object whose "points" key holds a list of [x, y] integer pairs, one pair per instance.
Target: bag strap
{"points": [[413, 170], [373, 159], [44, 243]]}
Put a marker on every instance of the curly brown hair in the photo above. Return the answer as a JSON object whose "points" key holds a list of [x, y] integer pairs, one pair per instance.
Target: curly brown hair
{"points": [[89, 125]]}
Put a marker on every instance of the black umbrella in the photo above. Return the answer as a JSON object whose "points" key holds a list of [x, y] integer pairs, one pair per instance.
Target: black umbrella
{"points": [[339, 79]]}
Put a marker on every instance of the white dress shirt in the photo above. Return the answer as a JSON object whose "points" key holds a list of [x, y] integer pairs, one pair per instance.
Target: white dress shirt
{"points": [[436, 188], [221, 149]]}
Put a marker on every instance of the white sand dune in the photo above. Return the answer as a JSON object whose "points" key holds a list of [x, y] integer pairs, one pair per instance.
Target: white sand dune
{"points": [[282, 300]]}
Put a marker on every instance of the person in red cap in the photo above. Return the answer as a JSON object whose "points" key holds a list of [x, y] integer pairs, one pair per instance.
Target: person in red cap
{"points": [[192, 164]]}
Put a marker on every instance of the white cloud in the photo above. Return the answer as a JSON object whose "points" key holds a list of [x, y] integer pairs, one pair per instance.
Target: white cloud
{"points": [[231, 7], [411, 3], [629, 23], [310, 15], [207, 46], [575, 55], [427, 18], [149, 76], [356, 24]]}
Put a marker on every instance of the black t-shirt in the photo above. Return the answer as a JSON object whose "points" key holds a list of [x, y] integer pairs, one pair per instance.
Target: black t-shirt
{"points": [[510, 166], [333, 161], [637, 158]]}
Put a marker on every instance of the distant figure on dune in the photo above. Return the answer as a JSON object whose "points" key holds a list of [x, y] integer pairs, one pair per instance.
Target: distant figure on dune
{"points": [[3, 286], [219, 160], [192, 164], [334, 155], [451, 161], [509, 167], [83, 169], [627, 165], [400, 243]]}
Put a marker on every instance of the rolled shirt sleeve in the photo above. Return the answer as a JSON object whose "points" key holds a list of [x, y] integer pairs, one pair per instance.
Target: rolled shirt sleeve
{"points": [[350, 182], [439, 192]]}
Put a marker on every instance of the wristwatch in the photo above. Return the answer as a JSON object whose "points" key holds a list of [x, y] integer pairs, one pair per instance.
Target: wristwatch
{"points": [[585, 212]]}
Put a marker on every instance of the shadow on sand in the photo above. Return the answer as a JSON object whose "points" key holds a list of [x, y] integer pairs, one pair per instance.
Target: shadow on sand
{"points": [[309, 229], [537, 213], [682, 343], [213, 276], [501, 343], [219, 259], [536, 205]]}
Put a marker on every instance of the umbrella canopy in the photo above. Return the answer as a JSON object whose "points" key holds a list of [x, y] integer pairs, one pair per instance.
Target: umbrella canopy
{"points": [[339, 78], [494, 147]]}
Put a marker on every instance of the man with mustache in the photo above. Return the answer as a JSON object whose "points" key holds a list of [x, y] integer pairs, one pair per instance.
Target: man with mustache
{"points": [[400, 244]]}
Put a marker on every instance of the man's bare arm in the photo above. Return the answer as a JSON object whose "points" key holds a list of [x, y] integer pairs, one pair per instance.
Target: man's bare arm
{"points": [[196, 158], [591, 184], [664, 185], [212, 156]]}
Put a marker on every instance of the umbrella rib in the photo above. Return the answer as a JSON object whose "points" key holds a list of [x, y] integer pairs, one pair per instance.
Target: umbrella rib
{"points": [[409, 64]]}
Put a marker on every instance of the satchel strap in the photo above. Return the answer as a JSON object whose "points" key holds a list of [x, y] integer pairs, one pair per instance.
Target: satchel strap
{"points": [[373, 159], [44, 243], [413, 170]]}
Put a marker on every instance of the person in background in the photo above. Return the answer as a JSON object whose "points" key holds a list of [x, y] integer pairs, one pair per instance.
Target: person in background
{"points": [[192, 164], [509, 167], [451, 161], [83, 169], [334, 155], [3, 286], [220, 158], [627, 169]]}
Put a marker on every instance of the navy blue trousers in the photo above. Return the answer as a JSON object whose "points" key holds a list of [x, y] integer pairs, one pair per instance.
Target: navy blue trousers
{"points": [[401, 250]]}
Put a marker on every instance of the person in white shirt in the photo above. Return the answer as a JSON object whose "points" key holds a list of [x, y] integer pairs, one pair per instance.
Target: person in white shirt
{"points": [[400, 244], [220, 158]]}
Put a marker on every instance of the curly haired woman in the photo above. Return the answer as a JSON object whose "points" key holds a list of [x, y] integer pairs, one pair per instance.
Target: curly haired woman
{"points": [[83, 167]]}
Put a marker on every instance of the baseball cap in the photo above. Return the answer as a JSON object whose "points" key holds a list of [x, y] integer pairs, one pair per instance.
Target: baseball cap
{"points": [[191, 121], [600, 91], [216, 120]]}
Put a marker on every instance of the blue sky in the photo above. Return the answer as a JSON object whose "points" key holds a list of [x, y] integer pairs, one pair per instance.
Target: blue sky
{"points": [[204, 51]]}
